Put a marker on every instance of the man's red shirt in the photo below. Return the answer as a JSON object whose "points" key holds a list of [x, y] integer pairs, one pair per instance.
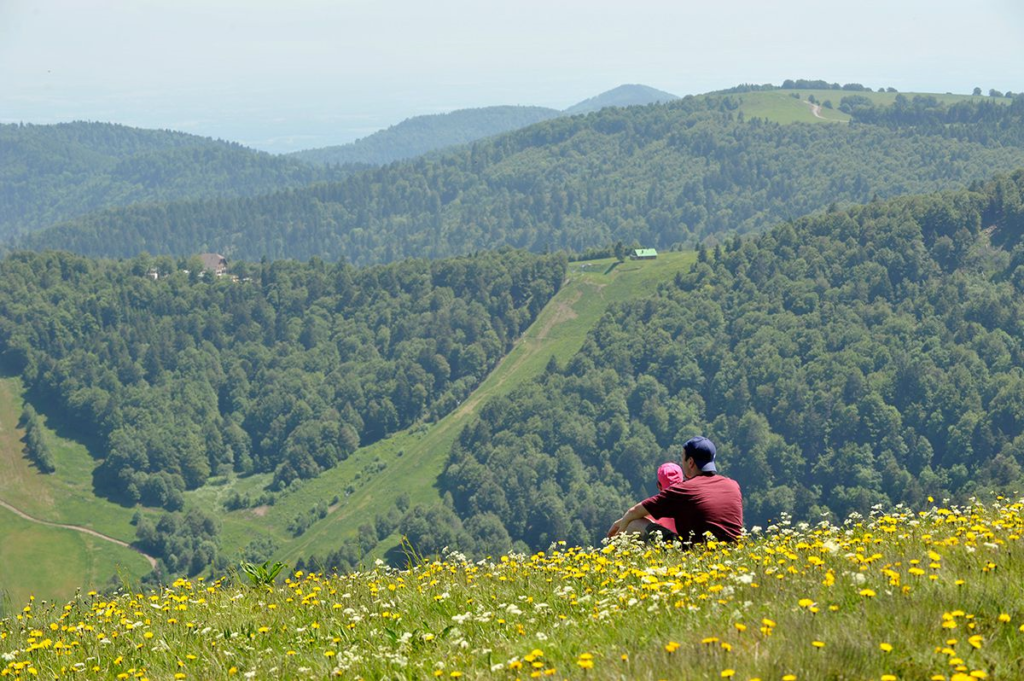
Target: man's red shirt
{"points": [[705, 503]]}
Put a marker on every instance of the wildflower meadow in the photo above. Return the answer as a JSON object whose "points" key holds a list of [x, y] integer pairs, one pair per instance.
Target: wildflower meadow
{"points": [[930, 594]]}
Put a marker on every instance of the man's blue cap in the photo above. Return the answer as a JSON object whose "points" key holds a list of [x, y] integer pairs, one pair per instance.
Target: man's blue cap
{"points": [[702, 451]]}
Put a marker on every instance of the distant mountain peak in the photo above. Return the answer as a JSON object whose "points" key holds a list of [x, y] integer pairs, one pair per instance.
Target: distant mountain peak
{"points": [[623, 95]]}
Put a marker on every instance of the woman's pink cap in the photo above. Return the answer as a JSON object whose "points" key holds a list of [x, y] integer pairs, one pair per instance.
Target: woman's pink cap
{"points": [[669, 474]]}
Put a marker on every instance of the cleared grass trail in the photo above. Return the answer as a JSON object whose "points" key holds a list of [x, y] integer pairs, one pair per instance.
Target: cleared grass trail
{"points": [[413, 459]]}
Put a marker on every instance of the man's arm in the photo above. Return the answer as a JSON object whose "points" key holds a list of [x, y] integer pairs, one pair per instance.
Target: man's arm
{"points": [[638, 512]]}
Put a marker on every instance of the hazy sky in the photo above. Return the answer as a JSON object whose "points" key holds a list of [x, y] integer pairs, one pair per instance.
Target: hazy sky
{"points": [[288, 75]]}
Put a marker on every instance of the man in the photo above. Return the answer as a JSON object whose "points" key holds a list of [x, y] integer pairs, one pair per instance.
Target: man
{"points": [[703, 502]]}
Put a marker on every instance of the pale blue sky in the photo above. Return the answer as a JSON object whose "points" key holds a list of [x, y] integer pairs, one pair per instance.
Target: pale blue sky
{"points": [[287, 75]]}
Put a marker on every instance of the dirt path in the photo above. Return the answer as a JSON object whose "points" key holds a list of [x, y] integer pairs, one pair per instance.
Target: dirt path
{"points": [[816, 110], [76, 528]]}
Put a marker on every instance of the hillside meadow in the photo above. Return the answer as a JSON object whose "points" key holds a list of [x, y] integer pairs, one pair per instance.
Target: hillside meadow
{"points": [[928, 594], [781, 106], [53, 562]]}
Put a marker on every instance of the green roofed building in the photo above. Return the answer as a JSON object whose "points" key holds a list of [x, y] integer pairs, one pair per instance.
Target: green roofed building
{"points": [[644, 254]]}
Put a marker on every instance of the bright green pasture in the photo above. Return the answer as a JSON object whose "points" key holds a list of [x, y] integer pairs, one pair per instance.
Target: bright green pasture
{"points": [[52, 563], [49, 561], [781, 107], [65, 496]]}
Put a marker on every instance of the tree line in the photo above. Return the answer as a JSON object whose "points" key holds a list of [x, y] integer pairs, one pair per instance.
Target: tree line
{"points": [[36, 448]]}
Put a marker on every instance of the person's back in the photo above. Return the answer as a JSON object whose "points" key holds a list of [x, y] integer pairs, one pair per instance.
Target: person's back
{"points": [[704, 503]]}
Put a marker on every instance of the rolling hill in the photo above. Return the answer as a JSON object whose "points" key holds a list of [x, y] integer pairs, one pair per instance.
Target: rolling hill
{"points": [[423, 134], [663, 175], [52, 173]]}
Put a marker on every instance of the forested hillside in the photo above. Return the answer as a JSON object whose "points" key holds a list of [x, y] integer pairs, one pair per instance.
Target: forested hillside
{"points": [[861, 357], [659, 175], [286, 369], [51, 173], [422, 134]]}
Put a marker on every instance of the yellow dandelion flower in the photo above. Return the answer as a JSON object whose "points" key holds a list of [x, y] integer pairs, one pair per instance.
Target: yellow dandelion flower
{"points": [[671, 647], [886, 647], [1003, 617], [818, 644], [867, 593], [728, 673], [455, 674], [624, 657], [976, 640], [710, 639], [740, 627], [888, 677]]}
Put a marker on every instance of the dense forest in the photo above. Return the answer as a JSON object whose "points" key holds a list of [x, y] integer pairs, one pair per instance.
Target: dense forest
{"points": [[422, 134], [283, 367], [51, 173], [861, 357], [659, 175]]}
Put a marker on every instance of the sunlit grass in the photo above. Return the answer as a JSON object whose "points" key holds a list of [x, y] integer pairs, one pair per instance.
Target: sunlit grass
{"points": [[904, 595]]}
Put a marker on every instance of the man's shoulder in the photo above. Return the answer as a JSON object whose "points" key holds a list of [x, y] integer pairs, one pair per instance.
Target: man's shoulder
{"points": [[715, 482]]}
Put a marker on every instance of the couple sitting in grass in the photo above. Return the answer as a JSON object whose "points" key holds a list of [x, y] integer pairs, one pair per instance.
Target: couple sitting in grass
{"points": [[692, 501]]}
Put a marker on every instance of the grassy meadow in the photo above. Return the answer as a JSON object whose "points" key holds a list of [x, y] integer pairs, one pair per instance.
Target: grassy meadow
{"points": [[931, 594], [781, 107], [60, 560]]}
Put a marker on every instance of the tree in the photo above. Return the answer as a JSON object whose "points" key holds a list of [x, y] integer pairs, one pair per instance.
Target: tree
{"points": [[977, 92]]}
